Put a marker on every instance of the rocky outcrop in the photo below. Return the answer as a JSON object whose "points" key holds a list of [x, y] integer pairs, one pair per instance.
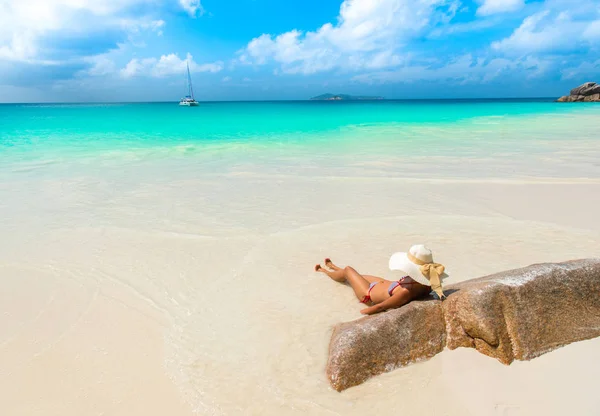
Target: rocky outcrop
{"points": [[588, 92], [521, 314], [579, 98], [589, 88], [361, 349], [518, 314]]}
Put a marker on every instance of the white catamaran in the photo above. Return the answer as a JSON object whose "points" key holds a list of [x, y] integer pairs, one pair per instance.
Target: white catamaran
{"points": [[189, 100]]}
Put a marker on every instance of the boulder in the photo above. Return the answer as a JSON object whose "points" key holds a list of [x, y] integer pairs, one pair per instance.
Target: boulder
{"points": [[521, 314], [588, 92], [518, 314], [571, 99], [589, 88], [380, 343]]}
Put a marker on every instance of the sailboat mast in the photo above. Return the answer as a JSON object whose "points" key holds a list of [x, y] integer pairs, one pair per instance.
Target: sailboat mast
{"points": [[190, 89]]}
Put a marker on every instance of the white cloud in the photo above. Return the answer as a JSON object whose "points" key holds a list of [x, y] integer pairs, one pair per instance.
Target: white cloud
{"points": [[368, 34], [154, 25], [530, 36], [193, 7], [468, 27], [463, 70], [135, 67], [18, 47], [545, 31], [101, 65], [560, 38], [25, 23], [585, 69], [226, 79], [560, 26], [489, 7], [592, 32], [165, 66]]}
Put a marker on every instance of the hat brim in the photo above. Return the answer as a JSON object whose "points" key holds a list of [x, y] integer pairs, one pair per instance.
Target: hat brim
{"points": [[400, 261]]}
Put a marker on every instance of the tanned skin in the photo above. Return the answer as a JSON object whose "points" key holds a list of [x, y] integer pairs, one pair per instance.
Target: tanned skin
{"points": [[380, 299]]}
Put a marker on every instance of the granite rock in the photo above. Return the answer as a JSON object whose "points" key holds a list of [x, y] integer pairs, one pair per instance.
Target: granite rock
{"points": [[517, 314], [380, 343], [523, 313], [588, 92], [574, 98], [589, 88]]}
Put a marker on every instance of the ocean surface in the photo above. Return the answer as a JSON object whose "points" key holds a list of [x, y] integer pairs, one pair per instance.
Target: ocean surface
{"points": [[298, 135], [59, 132], [203, 225]]}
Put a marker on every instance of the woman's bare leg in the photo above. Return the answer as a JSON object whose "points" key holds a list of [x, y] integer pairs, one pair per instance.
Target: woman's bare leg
{"points": [[337, 275], [348, 274], [368, 278], [329, 263], [357, 281]]}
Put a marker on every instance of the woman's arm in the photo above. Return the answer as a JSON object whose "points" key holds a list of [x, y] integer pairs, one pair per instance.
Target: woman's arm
{"points": [[398, 299]]}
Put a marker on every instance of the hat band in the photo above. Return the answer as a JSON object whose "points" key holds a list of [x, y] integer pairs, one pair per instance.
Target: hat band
{"points": [[415, 260], [432, 271]]}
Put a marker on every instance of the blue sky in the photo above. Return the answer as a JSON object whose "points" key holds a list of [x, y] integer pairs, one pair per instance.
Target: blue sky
{"points": [[135, 50]]}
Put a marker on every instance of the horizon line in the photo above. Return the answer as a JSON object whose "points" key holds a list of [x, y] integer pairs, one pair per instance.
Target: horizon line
{"points": [[284, 100]]}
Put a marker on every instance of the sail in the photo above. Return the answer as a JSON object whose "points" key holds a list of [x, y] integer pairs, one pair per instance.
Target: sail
{"points": [[189, 100], [190, 88]]}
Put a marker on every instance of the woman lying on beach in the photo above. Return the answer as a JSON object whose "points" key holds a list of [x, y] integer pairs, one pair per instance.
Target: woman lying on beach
{"points": [[421, 276]]}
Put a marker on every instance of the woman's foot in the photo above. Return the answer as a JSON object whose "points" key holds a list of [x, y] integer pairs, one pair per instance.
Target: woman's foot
{"points": [[330, 264], [337, 275]]}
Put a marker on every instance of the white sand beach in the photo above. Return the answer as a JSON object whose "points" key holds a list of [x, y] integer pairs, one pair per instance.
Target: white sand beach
{"points": [[101, 319]]}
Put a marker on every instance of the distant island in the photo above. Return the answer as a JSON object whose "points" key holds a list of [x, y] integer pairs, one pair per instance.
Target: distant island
{"points": [[346, 97]]}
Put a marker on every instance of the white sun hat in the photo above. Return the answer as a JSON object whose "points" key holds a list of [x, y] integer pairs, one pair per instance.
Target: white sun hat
{"points": [[418, 264]]}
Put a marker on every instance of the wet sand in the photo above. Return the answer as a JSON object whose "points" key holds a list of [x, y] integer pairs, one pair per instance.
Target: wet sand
{"points": [[184, 295]]}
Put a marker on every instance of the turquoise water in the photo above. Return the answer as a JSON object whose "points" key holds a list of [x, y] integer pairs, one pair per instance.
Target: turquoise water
{"points": [[109, 132], [88, 126]]}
